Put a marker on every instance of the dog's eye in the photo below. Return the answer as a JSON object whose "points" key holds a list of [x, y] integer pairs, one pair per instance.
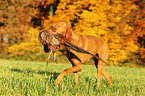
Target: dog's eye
{"points": [[58, 26]]}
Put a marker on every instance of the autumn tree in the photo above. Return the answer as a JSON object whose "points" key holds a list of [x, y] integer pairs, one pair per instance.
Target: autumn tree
{"points": [[112, 20], [92, 18], [136, 20], [15, 18]]}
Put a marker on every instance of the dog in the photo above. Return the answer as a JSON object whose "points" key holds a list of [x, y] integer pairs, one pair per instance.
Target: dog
{"points": [[94, 45]]}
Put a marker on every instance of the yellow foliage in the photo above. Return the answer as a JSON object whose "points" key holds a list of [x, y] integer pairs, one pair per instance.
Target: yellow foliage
{"points": [[26, 47], [90, 17], [99, 21]]}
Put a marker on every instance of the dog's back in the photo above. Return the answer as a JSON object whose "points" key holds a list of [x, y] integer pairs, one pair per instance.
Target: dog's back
{"points": [[91, 44]]}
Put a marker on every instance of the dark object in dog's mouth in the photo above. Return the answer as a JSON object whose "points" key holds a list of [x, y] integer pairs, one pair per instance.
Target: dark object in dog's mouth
{"points": [[48, 38], [51, 42]]}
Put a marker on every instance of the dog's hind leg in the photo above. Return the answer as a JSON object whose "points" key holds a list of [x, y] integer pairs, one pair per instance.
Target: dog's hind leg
{"points": [[101, 69], [107, 76]]}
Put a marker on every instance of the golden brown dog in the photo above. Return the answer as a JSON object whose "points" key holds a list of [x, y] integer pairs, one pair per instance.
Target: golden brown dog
{"points": [[94, 45]]}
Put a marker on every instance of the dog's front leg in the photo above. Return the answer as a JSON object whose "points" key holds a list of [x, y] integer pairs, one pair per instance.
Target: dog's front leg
{"points": [[77, 67], [76, 77]]}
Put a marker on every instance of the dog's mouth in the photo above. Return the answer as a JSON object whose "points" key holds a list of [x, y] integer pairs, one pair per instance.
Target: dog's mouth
{"points": [[48, 38]]}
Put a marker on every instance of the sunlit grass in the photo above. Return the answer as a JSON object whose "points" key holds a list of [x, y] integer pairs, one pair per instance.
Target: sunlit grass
{"points": [[34, 78]]}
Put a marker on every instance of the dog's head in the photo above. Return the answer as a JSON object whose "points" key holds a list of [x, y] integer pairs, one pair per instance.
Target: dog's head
{"points": [[50, 38], [63, 29]]}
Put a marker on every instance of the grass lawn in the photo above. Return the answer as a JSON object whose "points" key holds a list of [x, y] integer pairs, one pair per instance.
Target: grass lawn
{"points": [[35, 78]]}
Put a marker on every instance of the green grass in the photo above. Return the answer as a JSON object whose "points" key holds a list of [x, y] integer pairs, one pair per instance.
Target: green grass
{"points": [[35, 79]]}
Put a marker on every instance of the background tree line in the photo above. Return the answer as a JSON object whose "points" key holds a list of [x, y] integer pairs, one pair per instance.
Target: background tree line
{"points": [[119, 22]]}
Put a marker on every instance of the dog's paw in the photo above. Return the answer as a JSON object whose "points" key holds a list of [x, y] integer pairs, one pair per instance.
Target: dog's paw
{"points": [[58, 80]]}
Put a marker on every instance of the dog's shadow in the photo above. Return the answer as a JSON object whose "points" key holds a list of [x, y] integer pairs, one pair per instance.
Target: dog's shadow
{"points": [[39, 72]]}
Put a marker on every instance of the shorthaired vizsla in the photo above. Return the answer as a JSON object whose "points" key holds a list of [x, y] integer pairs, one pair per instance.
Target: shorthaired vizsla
{"points": [[94, 45]]}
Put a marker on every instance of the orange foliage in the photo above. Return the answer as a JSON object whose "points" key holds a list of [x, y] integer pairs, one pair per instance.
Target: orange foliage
{"points": [[26, 47], [110, 20], [92, 18]]}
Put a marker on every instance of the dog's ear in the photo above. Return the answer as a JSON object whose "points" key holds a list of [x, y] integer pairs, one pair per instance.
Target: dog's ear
{"points": [[68, 34]]}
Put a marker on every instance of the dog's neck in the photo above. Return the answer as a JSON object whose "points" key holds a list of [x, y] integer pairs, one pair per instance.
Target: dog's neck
{"points": [[74, 37]]}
